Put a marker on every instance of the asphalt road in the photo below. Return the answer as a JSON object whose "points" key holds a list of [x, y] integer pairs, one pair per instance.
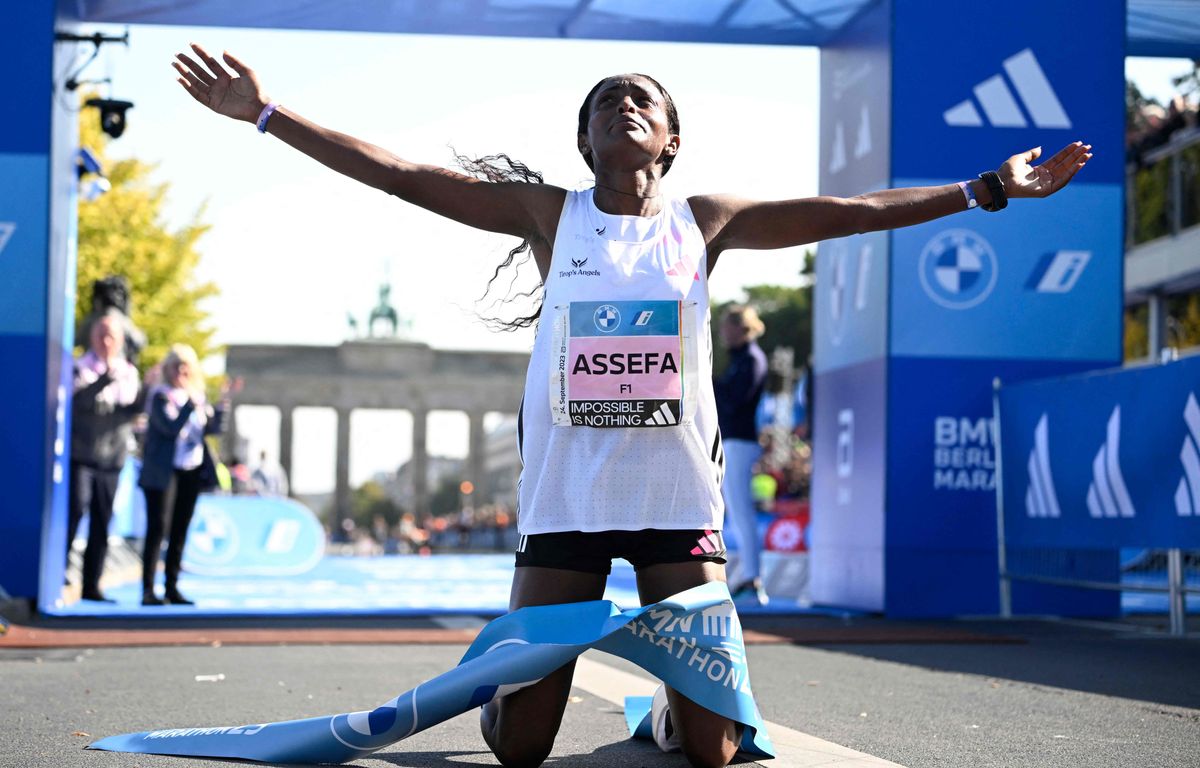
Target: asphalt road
{"points": [[1067, 696]]}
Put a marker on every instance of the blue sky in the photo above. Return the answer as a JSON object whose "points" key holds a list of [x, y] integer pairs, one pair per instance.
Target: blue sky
{"points": [[294, 247]]}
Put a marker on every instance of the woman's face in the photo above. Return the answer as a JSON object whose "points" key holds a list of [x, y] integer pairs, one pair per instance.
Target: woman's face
{"points": [[628, 128], [180, 376], [734, 332]]}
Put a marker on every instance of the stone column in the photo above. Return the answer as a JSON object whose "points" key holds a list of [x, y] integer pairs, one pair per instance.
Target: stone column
{"points": [[342, 483], [476, 456], [229, 438], [286, 414], [420, 464]]}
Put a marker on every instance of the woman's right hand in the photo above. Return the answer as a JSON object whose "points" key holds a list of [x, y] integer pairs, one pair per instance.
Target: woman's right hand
{"points": [[240, 97]]}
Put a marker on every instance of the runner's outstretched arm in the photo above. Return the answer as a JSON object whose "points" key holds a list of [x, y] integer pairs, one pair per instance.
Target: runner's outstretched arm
{"points": [[732, 222], [524, 210]]}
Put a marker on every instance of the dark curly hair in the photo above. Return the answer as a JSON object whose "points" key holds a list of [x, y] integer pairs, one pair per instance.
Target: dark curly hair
{"points": [[501, 168]]}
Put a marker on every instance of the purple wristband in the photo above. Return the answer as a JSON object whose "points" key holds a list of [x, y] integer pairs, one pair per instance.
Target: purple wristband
{"points": [[264, 116]]}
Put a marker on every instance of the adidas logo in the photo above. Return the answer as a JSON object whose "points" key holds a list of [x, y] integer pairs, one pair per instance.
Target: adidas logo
{"points": [[862, 142], [708, 544], [1190, 456], [663, 416], [1041, 499], [1107, 495], [6, 230], [1000, 105]]}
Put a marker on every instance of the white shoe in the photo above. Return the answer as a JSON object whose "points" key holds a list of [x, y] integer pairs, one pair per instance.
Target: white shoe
{"points": [[750, 593], [665, 735]]}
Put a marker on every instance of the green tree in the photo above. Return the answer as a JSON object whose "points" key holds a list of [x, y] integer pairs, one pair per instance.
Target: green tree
{"points": [[370, 499], [787, 314], [446, 498], [123, 233]]}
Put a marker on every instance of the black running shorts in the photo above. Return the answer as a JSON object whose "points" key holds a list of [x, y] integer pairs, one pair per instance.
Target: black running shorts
{"points": [[594, 552]]}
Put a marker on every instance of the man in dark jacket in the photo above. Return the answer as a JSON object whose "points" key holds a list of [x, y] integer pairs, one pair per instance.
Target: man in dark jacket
{"points": [[738, 390], [107, 398]]}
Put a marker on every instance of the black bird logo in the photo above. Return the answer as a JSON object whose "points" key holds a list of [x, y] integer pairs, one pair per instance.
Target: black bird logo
{"points": [[579, 263]]}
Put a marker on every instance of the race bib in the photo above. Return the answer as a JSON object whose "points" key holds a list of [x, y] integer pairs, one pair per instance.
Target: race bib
{"points": [[623, 364]]}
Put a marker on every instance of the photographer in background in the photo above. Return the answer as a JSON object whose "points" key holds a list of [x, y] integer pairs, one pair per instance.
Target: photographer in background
{"points": [[107, 399]]}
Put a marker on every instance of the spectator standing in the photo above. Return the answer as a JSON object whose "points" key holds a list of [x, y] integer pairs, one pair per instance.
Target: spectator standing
{"points": [[738, 390], [176, 456], [107, 399], [269, 479]]}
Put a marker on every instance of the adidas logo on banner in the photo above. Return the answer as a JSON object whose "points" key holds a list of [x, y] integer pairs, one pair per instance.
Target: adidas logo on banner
{"points": [[663, 416], [6, 230], [1107, 495], [1001, 106], [1190, 456], [1041, 499]]}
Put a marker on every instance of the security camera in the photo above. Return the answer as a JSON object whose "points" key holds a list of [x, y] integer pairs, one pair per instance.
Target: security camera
{"points": [[112, 115]]}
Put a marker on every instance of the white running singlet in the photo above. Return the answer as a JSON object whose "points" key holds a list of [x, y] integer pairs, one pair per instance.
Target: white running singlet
{"points": [[618, 428]]}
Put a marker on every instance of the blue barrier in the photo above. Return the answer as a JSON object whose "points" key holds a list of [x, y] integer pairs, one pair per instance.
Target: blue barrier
{"points": [[252, 536], [1104, 460]]}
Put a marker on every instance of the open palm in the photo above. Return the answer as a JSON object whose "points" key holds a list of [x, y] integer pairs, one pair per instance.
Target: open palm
{"points": [[1021, 179], [213, 86]]}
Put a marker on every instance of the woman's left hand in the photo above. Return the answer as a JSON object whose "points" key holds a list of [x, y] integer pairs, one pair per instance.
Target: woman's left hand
{"points": [[1021, 179]]}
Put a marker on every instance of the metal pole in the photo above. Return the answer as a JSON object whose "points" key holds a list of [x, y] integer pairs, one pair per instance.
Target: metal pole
{"points": [[1176, 193], [1175, 594], [1001, 555]]}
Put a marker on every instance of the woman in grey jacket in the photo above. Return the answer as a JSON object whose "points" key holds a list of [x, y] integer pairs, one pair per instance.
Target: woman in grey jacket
{"points": [[175, 455]]}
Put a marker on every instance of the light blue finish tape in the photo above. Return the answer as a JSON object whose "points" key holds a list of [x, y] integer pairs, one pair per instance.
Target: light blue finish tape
{"points": [[637, 716], [692, 641]]}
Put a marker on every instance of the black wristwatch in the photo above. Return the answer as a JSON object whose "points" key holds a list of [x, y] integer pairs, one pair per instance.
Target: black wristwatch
{"points": [[996, 188]]}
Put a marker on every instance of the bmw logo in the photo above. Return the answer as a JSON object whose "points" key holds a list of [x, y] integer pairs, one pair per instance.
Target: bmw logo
{"points": [[958, 269], [213, 537], [838, 294], [376, 728], [607, 318]]}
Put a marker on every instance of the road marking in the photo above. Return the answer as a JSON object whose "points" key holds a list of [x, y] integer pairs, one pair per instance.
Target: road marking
{"points": [[793, 749]]}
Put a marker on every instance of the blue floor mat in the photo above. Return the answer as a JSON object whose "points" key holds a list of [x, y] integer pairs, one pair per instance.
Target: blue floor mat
{"points": [[390, 585]]}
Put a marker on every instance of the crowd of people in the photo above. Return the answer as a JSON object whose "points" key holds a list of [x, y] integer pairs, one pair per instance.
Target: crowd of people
{"points": [[1151, 125], [487, 528]]}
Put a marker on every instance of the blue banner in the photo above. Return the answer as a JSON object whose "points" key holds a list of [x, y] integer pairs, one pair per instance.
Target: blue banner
{"points": [[692, 641], [1105, 460], [252, 536], [848, 532], [1038, 281], [976, 83]]}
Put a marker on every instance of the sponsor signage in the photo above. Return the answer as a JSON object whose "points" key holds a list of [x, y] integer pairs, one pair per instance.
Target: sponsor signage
{"points": [[847, 533], [252, 535], [623, 364], [851, 302], [978, 88], [1041, 280], [1106, 460]]}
